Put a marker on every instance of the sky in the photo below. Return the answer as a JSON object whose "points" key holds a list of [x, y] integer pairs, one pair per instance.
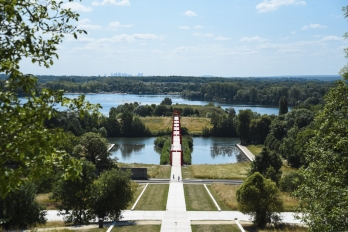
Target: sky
{"points": [[227, 38]]}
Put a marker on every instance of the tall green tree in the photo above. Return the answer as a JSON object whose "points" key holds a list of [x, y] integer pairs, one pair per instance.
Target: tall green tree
{"points": [[260, 198], [283, 105], [267, 163], [244, 118], [20, 209], [31, 29], [112, 194], [75, 196], [323, 196]]}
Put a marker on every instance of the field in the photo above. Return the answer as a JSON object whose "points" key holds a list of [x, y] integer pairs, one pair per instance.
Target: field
{"points": [[217, 171], [194, 125], [154, 197], [228, 193], [197, 198]]}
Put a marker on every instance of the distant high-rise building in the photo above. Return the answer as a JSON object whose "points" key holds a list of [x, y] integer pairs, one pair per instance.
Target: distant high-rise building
{"points": [[140, 74]]}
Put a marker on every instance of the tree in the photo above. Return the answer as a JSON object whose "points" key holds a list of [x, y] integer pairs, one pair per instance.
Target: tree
{"points": [[20, 208], [112, 194], [244, 118], [94, 149], [322, 194], [75, 196], [283, 105], [126, 124], [267, 163], [166, 101], [260, 198], [27, 148]]}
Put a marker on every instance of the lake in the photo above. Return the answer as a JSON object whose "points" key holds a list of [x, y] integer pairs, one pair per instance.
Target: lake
{"points": [[213, 150], [113, 100]]}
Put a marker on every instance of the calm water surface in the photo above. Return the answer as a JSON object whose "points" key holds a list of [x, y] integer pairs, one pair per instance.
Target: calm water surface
{"points": [[205, 150], [113, 100]]}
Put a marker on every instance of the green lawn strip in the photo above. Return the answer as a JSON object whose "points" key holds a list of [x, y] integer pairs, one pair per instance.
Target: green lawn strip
{"points": [[186, 172], [255, 149], [197, 198], [217, 198], [154, 197], [215, 227], [142, 228], [221, 171], [139, 189], [280, 228], [164, 172]]}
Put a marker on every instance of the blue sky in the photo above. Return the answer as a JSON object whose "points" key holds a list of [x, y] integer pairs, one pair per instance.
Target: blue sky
{"points": [[226, 38]]}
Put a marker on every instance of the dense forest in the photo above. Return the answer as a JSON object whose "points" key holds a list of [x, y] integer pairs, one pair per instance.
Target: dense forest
{"points": [[261, 91]]}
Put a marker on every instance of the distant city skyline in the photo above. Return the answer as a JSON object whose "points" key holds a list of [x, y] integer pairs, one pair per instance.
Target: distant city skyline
{"points": [[227, 38]]}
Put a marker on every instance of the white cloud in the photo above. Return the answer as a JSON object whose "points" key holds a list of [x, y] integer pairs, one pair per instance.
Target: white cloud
{"points": [[111, 2], [116, 25], [252, 39], [184, 27], [84, 24], [222, 38], [198, 27], [190, 13], [332, 37], [129, 38], [313, 26], [203, 35], [272, 5], [293, 32], [76, 6]]}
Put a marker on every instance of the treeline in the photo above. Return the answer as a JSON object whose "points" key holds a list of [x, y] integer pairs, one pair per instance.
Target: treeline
{"points": [[263, 91]]}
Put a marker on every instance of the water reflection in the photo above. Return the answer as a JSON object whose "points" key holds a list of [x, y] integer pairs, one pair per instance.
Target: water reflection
{"points": [[224, 150], [128, 149], [205, 150]]}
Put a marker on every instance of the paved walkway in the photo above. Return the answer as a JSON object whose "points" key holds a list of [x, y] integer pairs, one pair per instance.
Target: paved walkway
{"points": [[246, 152], [175, 217]]}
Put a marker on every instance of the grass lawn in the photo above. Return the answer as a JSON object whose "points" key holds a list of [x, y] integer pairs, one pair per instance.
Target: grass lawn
{"points": [[255, 149], [153, 170], [217, 198], [127, 228], [138, 188], [154, 197], [197, 198], [215, 227], [280, 228], [221, 171], [186, 172], [289, 202], [44, 199], [194, 125], [227, 194], [157, 123]]}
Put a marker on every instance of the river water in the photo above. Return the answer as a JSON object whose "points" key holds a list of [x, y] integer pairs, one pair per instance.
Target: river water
{"points": [[212, 150], [113, 100]]}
